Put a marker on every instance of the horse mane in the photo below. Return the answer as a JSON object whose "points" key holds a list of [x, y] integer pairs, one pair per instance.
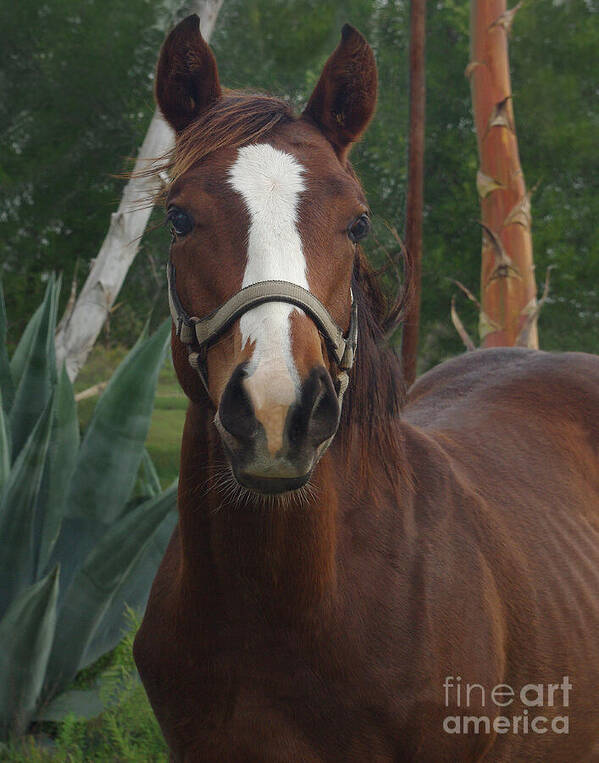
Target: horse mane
{"points": [[376, 393]]}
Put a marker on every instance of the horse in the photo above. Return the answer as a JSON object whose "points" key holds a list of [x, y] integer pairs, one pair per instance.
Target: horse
{"points": [[357, 573]]}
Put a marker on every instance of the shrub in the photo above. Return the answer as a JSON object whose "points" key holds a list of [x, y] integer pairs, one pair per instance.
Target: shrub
{"points": [[83, 525]]}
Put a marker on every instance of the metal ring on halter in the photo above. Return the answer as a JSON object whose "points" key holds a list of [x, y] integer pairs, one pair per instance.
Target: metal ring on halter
{"points": [[200, 332]]}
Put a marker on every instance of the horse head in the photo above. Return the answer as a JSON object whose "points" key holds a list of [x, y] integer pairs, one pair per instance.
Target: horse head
{"points": [[266, 214]]}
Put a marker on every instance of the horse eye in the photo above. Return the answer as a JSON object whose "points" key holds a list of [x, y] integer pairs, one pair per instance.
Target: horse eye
{"points": [[180, 222], [359, 228]]}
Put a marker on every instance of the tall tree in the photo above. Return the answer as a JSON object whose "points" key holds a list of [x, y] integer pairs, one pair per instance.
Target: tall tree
{"points": [[508, 289], [83, 322]]}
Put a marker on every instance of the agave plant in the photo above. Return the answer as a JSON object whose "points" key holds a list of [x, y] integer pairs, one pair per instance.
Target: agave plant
{"points": [[83, 525]]}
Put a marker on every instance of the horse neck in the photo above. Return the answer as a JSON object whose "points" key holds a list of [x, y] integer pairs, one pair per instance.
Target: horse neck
{"points": [[246, 547], [249, 549]]}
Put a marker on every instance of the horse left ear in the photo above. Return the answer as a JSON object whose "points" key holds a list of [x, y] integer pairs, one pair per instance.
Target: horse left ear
{"points": [[186, 76], [344, 99]]}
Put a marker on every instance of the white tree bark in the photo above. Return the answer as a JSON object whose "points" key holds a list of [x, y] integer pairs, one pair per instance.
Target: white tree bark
{"points": [[79, 328]]}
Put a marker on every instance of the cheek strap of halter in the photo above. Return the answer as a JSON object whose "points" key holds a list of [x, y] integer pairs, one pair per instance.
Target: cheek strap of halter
{"points": [[198, 333]]}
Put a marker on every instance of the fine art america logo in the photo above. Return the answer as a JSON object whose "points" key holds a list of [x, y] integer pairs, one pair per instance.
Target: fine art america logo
{"points": [[541, 708]]}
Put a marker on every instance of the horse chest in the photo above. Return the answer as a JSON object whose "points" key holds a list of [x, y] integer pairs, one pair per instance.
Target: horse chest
{"points": [[228, 693], [288, 699]]}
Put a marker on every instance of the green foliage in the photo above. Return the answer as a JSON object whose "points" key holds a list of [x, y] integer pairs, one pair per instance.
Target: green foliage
{"points": [[26, 634], [126, 729], [83, 526], [76, 83], [94, 62], [164, 438], [554, 56]]}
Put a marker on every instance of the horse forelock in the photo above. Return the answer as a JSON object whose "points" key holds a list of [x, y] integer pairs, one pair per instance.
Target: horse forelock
{"points": [[237, 119]]}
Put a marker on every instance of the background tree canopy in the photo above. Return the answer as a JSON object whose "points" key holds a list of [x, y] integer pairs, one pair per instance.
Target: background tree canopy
{"points": [[76, 98]]}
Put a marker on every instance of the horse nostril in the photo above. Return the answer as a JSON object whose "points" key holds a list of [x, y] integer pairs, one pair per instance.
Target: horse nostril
{"points": [[325, 413], [236, 411], [316, 417], [295, 429]]}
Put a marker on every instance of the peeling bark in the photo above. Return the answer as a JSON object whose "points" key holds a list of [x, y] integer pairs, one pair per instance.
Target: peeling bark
{"points": [[531, 313], [485, 184], [81, 324], [508, 289], [507, 19]]}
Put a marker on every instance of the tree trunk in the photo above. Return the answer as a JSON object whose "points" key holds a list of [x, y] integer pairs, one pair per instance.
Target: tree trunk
{"points": [[81, 325], [508, 289], [409, 345]]}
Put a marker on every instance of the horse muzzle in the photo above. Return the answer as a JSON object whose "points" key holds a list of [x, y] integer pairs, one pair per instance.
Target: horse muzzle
{"points": [[277, 451]]}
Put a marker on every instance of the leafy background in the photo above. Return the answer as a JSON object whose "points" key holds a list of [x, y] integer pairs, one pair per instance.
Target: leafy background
{"points": [[76, 98]]}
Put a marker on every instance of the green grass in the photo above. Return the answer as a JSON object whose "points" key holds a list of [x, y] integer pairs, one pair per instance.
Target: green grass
{"points": [[126, 731], [164, 437]]}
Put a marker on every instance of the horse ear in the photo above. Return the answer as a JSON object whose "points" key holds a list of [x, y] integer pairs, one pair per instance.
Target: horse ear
{"points": [[344, 99], [186, 75]]}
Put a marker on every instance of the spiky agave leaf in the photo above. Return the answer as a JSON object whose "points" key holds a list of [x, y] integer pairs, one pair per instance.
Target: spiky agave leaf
{"points": [[7, 388], [149, 481], [17, 511], [26, 635], [83, 703], [23, 349], [132, 592], [60, 465], [5, 458], [113, 445], [52, 487], [34, 386], [147, 484], [93, 588], [110, 455]]}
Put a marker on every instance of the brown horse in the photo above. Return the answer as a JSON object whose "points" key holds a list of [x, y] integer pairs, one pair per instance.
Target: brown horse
{"points": [[352, 578]]}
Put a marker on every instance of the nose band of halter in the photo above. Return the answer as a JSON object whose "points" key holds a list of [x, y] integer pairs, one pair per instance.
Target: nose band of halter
{"points": [[200, 332]]}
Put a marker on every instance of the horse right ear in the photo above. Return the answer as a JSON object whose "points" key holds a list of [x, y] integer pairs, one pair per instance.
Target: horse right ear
{"points": [[344, 99], [186, 75]]}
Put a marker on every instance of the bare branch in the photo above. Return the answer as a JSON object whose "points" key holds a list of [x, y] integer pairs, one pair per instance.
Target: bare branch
{"points": [[405, 286], [459, 327], [97, 389], [467, 292]]}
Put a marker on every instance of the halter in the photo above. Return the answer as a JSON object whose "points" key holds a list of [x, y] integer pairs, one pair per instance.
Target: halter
{"points": [[199, 333]]}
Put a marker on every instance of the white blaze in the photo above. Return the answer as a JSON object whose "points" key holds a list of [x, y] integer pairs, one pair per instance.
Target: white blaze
{"points": [[270, 182]]}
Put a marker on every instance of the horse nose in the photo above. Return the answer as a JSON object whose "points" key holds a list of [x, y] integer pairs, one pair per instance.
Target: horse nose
{"points": [[236, 412], [315, 417], [309, 421]]}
